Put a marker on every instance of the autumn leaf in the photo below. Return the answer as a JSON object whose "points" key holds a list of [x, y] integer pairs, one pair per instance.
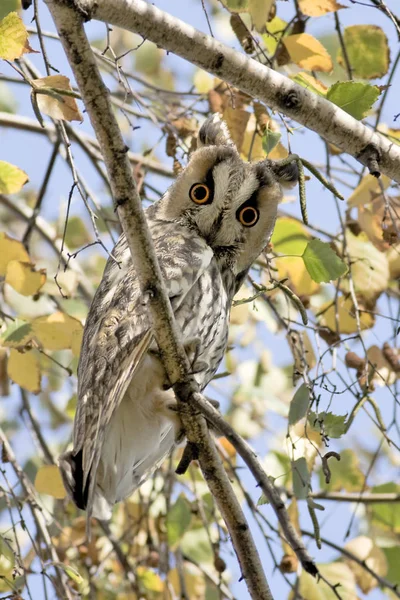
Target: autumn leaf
{"points": [[345, 311], [62, 107], [368, 189], [23, 368], [13, 37], [12, 179], [57, 331], [307, 52], [318, 8], [23, 277], [48, 480], [11, 249], [367, 50]]}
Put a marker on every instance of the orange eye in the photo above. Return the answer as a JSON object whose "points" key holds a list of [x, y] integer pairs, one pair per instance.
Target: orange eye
{"points": [[248, 216], [200, 193]]}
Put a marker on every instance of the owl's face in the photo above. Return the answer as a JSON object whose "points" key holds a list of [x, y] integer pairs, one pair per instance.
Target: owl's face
{"points": [[230, 203]]}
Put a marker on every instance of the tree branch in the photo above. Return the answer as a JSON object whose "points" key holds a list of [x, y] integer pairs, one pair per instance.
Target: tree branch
{"points": [[27, 124], [128, 205], [277, 91]]}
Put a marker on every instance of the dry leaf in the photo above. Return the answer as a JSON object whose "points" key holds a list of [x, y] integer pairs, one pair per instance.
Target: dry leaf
{"points": [[67, 109]]}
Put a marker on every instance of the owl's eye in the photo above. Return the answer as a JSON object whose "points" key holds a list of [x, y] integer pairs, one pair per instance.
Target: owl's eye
{"points": [[200, 193], [248, 216]]}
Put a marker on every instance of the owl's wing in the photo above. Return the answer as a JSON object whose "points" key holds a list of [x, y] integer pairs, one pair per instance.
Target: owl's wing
{"points": [[118, 335]]}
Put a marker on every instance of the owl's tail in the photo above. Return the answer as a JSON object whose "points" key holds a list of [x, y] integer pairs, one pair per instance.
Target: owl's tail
{"points": [[72, 474]]}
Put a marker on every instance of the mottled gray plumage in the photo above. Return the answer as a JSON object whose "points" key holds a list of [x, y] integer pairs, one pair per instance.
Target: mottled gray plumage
{"points": [[125, 422]]}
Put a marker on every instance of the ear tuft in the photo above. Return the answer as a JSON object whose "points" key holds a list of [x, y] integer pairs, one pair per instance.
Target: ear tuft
{"points": [[286, 174], [214, 132]]}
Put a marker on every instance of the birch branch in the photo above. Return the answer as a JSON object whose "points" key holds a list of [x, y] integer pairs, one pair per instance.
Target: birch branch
{"points": [[128, 205], [257, 80]]}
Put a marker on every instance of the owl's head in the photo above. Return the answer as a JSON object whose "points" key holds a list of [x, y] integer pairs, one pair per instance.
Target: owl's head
{"points": [[231, 203]]}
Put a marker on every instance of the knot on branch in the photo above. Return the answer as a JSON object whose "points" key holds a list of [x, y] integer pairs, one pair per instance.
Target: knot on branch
{"points": [[290, 101], [370, 156]]}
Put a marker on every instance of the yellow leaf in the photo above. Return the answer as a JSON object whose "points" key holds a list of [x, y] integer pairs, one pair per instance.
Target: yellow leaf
{"points": [[66, 109], [346, 316], [10, 249], [57, 331], [372, 556], [368, 190], [11, 178], [48, 480], [13, 37], [307, 52], [203, 82], [295, 269], [259, 11], [316, 589], [318, 8], [23, 369], [23, 277]]}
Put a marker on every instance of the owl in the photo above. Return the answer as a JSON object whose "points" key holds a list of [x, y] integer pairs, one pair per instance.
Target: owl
{"points": [[207, 229]]}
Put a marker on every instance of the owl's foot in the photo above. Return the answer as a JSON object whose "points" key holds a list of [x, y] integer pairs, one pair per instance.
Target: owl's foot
{"points": [[191, 452]]}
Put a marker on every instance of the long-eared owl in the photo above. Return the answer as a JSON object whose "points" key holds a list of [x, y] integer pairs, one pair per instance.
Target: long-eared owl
{"points": [[207, 229]]}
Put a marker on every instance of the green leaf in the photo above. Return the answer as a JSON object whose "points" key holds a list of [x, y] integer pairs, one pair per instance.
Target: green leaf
{"points": [[17, 334], [8, 6], [322, 263], [71, 572], [289, 237], [178, 520], [236, 5], [333, 426], [275, 29], [270, 140], [353, 97], [367, 50], [301, 478], [299, 404], [76, 234], [262, 500], [196, 545], [387, 515], [392, 555]]}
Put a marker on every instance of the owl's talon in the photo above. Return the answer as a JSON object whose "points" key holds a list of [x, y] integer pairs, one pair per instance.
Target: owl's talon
{"points": [[190, 453]]}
